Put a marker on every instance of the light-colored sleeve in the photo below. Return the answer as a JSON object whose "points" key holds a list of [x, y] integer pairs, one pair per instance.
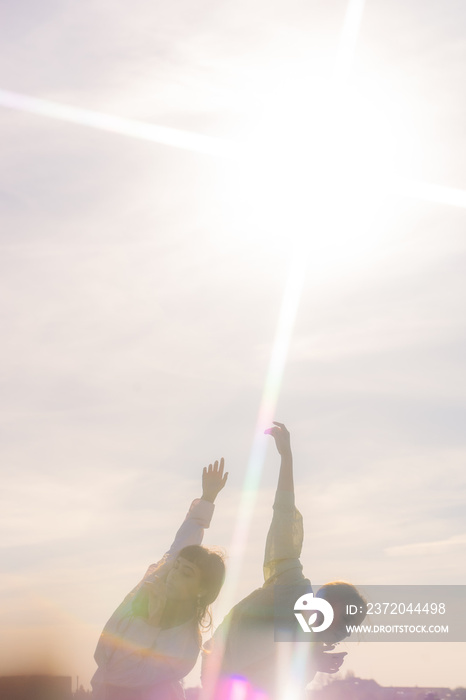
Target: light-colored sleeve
{"points": [[191, 531], [284, 542]]}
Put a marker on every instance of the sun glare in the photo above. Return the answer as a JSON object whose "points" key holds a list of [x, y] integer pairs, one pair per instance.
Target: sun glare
{"points": [[318, 170]]}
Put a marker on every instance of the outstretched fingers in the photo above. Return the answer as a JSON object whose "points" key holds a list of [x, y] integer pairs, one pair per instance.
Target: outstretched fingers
{"points": [[214, 479], [217, 467], [220, 467]]}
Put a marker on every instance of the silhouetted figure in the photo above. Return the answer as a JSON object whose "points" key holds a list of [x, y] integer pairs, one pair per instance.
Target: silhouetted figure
{"points": [[153, 638], [242, 659]]}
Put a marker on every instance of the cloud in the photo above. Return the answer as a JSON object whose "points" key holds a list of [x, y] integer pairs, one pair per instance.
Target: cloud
{"points": [[428, 549]]}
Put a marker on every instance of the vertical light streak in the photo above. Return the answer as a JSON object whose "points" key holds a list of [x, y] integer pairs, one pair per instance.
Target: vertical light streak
{"points": [[289, 308], [286, 320], [348, 40], [293, 661], [288, 311]]}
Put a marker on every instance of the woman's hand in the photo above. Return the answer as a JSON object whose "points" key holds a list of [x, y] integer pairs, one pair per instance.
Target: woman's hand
{"points": [[281, 436], [326, 662], [213, 480]]}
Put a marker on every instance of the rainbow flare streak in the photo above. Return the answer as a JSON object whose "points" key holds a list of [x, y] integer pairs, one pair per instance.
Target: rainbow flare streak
{"points": [[288, 311]]}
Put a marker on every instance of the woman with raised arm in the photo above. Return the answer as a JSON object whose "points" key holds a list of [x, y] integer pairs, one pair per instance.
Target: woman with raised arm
{"points": [[242, 658], [153, 638]]}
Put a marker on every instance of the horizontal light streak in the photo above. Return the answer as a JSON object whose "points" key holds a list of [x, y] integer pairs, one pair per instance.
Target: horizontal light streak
{"points": [[163, 135]]}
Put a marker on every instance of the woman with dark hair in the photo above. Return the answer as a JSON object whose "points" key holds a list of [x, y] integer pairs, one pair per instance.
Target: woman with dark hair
{"points": [[153, 638]]}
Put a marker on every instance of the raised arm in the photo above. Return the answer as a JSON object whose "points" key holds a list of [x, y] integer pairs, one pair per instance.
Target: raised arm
{"points": [[197, 519], [282, 440], [191, 531], [285, 536], [151, 589]]}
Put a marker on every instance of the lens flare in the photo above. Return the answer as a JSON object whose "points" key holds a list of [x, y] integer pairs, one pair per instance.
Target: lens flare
{"points": [[163, 135], [331, 186]]}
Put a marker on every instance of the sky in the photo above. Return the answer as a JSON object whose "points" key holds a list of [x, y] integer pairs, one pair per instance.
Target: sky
{"points": [[147, 288]]}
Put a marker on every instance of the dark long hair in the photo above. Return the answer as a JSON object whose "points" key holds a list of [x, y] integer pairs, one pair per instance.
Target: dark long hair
{"points": [[212, 566]]}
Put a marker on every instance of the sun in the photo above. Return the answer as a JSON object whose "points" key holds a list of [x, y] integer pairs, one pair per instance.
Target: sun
{"points": [[317, 169]]}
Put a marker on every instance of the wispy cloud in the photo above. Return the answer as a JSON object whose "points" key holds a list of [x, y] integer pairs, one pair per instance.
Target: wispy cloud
{"points": [[426, 549]]}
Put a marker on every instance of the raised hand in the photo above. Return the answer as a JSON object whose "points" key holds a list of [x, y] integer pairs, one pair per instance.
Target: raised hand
{"points": [[281, 436], [213, 480]]}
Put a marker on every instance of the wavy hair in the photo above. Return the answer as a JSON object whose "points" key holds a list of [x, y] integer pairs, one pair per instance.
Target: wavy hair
{"points": [[212, 567]]}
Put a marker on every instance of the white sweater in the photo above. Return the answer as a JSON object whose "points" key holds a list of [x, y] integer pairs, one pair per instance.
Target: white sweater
{"points": [[134, 654]]}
